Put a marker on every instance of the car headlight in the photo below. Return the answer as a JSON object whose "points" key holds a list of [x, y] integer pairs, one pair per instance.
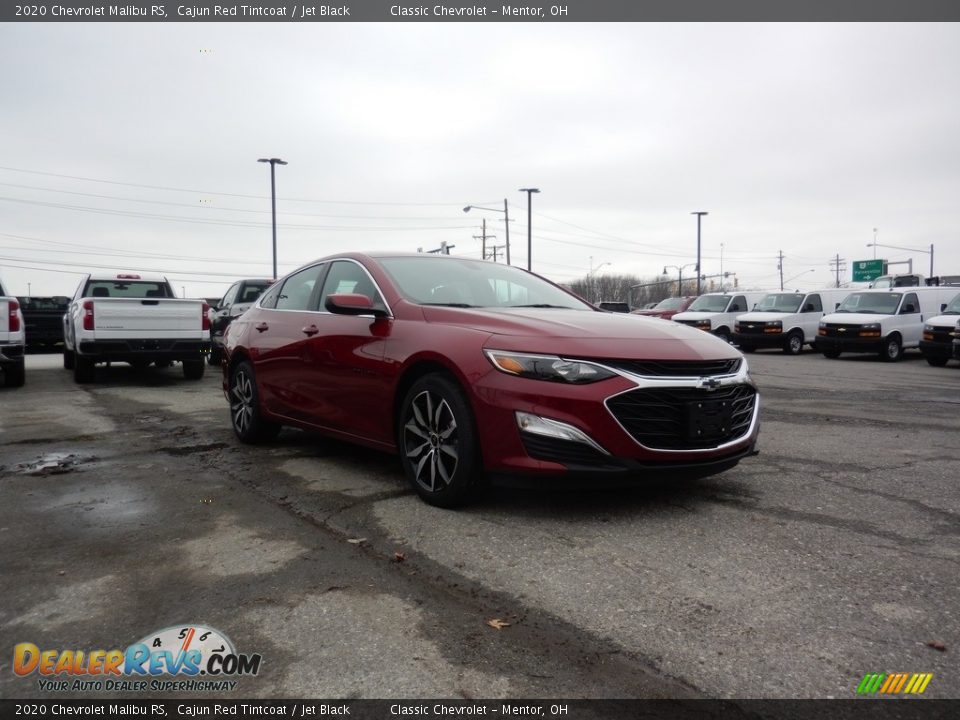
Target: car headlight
{"points": [[703, 324], [774, 326], [870, 330], [928, 328], [547, 367]]}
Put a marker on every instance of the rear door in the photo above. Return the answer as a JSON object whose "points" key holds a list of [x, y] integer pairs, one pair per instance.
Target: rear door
{"points": [[810, 314], [908, 317], [278, 340]]}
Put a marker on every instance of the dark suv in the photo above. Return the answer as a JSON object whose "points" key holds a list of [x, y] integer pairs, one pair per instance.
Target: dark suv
{"points": [[235, 302]]}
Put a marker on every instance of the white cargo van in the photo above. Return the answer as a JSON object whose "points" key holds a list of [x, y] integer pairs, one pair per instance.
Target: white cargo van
{"points": [[716, 312], [785, 320], [941, 334], [881, 321]]}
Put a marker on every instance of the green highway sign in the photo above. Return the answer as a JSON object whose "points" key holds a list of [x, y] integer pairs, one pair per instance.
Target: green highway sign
{"points": [[867, 270]]}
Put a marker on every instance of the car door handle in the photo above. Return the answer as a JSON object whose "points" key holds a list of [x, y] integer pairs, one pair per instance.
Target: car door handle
{"points": [[261, 327], [310, 330]]}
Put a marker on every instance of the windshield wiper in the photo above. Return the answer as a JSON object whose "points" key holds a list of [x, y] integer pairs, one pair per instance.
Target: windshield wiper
{"points": [[541, 305], [451, 304]]}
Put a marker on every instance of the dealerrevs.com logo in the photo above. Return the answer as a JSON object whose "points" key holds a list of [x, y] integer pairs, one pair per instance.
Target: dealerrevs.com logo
{"points": [[175, 659], [899, 683]]}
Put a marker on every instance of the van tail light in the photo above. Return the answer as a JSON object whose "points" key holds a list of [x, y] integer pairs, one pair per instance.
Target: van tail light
{"points": [[14, 323], [205, 321], [88, 315]]}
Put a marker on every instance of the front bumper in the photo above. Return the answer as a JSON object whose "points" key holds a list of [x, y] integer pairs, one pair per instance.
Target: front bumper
{"points": [[759, 340], [853, 344], [613, 414], [936, 350]]}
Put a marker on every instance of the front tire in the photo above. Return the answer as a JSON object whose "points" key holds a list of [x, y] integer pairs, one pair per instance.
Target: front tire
{"points": [[723, 334], [832, 354], [67, 359], [892, 349], [215, 357], [937, 360], [245, 415], [794, 344], [438, 442]]}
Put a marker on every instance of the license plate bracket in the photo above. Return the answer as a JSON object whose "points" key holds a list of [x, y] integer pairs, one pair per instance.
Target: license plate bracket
{"points": [[708, 419]]}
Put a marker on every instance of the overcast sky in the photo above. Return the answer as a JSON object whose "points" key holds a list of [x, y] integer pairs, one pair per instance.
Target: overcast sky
{"points": [[136, 146]]}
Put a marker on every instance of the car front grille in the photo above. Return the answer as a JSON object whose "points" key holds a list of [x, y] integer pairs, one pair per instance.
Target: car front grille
{"points": [[841, 330], [685, 418], [942, 335], [751, 328], [675, 368]]}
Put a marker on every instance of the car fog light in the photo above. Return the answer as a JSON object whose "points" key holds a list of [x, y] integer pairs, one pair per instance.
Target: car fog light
{"points": [[536, 425]]}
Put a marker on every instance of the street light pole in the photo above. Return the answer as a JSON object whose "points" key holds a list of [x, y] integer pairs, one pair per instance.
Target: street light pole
{"points": [[273, 204], [529, 192], [897, 247], [699, 214], [506, 220]]}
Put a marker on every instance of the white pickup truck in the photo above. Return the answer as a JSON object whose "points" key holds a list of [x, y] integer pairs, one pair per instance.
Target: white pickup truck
{"points": [[134, 318], [12, 340]]}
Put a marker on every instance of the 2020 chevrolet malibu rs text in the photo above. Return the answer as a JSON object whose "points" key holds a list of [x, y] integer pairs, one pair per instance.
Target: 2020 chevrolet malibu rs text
{"points": [[468, 369]]}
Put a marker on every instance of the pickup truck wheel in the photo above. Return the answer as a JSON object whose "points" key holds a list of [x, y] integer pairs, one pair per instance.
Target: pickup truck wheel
{"points": [[193, 369], [83, 369], [14, 375], [248, 424], [67, 359], [794, 343], [892, 349]]}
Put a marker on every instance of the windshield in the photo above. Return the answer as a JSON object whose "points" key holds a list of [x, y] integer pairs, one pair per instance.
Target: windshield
{"points": [[456, 282], [871, 303], [674, 303], [780, 302], [954, 307], [710, 303]]}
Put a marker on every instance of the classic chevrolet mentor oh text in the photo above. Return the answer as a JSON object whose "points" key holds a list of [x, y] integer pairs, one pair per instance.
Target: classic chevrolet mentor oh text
{"points": [[469, 368]]}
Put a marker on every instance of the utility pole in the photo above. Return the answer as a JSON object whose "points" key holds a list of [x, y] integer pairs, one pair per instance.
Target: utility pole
{"points": [[699, 214], [494, 249], [483, 237], [506, 225], [837, 262], [780, 268]]}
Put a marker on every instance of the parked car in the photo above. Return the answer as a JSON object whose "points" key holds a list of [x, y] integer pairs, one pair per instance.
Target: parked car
{"points": [[134, 318], [717, 312], [12, 341], [234, 303], [668, 307], [785, 320], [941, 334], [468, 368], [44, 320]]}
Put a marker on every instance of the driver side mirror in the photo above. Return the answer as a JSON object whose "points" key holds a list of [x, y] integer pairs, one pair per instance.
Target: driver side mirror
{"points": [[352, 304]]}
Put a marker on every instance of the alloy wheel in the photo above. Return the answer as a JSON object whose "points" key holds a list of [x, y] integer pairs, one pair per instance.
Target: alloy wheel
{"points": [[241, 402], [431, 441]]}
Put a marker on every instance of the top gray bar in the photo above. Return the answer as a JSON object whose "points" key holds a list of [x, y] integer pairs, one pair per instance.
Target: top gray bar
{"points": [[568, 11]]}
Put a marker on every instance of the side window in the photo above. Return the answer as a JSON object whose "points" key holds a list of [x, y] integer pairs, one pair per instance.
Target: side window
{"points": [[738, 304], [910, 304], [349, 277], [813, 304], [298, 289], [230, 295], [270, 297]]}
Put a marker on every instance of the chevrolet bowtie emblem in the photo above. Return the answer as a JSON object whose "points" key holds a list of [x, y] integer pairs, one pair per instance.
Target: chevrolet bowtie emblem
{"points": [[708, 383], [841, 329]]}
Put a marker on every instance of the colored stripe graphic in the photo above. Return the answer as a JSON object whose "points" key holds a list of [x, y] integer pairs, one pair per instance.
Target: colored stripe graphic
{"points": [[894, 683]]}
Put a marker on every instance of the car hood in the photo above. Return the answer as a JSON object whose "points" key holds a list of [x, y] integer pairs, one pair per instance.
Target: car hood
{"points": [[759, 317], [695, 315], [854, 318], [944, 320], [584, 334]]}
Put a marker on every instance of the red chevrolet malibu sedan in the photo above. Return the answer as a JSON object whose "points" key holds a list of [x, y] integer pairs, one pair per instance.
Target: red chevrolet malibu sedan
{"points": [[468, 368]]}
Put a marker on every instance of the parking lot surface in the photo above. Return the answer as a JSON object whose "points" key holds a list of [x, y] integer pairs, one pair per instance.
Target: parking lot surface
{"points": [[129, 507]]}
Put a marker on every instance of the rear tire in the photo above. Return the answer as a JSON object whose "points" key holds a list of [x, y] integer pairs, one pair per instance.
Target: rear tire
{"points": [[437, 440], [67, 359], [245, 414], [14, 375], [794, 343], [83, 369], [193, 369], [892, 349]]}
